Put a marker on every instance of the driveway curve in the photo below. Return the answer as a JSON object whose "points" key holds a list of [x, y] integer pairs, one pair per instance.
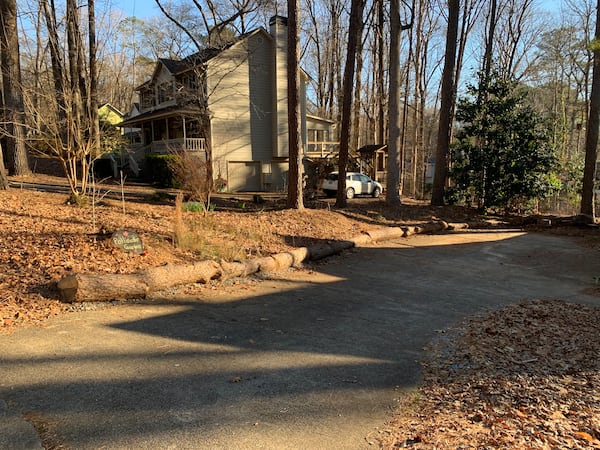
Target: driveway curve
{"points": [[311, 358]]}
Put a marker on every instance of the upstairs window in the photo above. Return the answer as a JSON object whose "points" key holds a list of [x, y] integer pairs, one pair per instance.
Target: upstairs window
{"points": [[165, 92], [190, 81], [147, 99]]}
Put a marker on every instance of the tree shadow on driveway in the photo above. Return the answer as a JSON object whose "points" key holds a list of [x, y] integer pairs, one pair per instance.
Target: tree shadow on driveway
{"points": [[309, 360]]}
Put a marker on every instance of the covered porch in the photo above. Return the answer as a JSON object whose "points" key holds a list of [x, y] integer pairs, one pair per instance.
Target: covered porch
{"points": [[169, 130]]}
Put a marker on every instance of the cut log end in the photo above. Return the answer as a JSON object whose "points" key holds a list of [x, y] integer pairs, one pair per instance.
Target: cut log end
{"points": [[67, 287]]}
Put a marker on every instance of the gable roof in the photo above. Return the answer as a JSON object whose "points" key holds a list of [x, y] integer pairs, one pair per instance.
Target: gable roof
{"points": [[178, 66], [372, 148]]}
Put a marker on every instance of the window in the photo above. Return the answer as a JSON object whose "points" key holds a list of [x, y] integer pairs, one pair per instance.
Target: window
{"points": [[165, 92], [147, 99], [314, 135]]}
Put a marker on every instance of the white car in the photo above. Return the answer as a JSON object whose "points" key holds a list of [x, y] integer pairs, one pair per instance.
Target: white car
{"points": [[356, 184]]}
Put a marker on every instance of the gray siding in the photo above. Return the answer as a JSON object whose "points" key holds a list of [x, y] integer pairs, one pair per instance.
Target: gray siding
{"points": [[228, 101], [261, 96]]}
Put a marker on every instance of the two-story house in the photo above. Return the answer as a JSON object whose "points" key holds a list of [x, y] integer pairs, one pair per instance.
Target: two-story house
{"points": [[232, 101]]}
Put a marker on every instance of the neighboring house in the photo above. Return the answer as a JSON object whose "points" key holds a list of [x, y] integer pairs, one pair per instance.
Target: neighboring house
{"points": [[374, 161], [232, 100], [319, 137], [107, 113]]}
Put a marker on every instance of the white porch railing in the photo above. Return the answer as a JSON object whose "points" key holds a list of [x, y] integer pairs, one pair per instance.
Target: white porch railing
{"points": [[181, 144], [322, 149]]}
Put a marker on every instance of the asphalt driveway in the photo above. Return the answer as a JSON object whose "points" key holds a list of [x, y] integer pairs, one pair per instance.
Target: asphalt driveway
{"points": [[311, 359]]}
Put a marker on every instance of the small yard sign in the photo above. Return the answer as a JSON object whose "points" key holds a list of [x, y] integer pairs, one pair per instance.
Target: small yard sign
{"points": [[128, 241]]}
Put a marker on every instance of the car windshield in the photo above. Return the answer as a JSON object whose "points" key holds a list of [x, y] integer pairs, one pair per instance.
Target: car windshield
{"points": [[332, 176]]}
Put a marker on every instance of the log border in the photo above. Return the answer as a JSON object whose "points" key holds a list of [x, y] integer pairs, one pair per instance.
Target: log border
{"points": [[108, 287]]}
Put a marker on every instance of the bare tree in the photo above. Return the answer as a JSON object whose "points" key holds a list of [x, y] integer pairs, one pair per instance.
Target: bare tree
{"points": [[446, 106], [492, 19], [3, 178], [591, 141], [380, 49], [393, 179], [354, 34], [69, 128], [294, 197], [517, 31], [395, 153], [14, 110], [92, 98]]}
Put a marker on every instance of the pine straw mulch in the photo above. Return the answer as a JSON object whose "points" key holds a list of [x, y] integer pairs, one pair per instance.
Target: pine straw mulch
{"points": [[523, 377]]}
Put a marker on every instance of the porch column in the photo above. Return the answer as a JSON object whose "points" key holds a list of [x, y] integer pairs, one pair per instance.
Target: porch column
{"points": [[152, 134]]}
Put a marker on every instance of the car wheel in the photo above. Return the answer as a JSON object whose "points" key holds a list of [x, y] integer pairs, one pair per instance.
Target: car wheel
{"points": [[329, 193], [376, 192], [350, 193]]}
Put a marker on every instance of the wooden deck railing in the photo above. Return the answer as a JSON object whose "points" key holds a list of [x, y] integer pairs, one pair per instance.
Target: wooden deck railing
{"points": [[180, 144], [322, 149]]}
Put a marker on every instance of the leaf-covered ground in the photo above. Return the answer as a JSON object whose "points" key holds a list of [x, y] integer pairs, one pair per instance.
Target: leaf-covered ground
{"points": [[42, 238], [524, 377]]}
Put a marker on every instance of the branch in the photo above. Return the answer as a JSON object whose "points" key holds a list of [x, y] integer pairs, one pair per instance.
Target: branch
{"points": [[408, 26], [176, 22]]}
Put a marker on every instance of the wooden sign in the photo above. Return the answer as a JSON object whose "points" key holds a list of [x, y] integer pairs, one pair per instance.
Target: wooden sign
{"points": [[128, 241]]}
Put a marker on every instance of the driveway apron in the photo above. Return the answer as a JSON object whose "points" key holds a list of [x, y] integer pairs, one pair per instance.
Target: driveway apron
{"points": [[308, 359]]}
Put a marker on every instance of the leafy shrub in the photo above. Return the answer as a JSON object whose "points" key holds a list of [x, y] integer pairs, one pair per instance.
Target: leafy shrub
{"points": [[197, 207], [158, 169]]}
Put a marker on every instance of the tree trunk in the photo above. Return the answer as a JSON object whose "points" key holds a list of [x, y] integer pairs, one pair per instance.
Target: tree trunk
{"points": [[75, 111], [393, 181], [380, 75], [591, 138], [354, 34], [14, 111], [419, 55], [57, 66], [446, 107], [489, 44], [294, 198], [3, 178], [93, 86], [355, 134]]}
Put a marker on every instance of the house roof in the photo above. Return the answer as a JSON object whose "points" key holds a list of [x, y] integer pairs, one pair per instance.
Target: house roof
{"points": [[372, 148], [320, 119], [178, 66], [110, 107], [171, 111]]}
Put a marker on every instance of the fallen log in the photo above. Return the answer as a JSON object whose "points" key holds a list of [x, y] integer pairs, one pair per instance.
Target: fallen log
{"points": [[169, 275], [321, 251], [385, 233], [106, 287], [429, 227], [458, 226], [238, 269], [101, 287], [109, 286]]}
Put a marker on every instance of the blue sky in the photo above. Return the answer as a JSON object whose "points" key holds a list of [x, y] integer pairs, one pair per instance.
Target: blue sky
{"points": [[144, 8], [138, 8]]}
